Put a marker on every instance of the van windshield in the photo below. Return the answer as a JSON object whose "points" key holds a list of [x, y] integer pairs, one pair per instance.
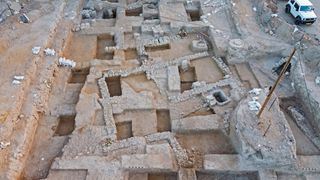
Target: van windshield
{"points": [[306, 8]]}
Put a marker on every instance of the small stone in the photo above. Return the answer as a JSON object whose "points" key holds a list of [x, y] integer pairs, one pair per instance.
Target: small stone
{"points": [[19, 78], [4, 144], [36, 50], [317, 80], [49, 52], [271, 32], [66, 62], [16, 82], [255, 91], [274, 15]]}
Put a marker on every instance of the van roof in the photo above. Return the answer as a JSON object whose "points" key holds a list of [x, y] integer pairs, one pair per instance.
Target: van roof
{"points": [[304, 3]]}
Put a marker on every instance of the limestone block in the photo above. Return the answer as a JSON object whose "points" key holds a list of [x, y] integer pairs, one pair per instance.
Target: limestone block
{"points": [[173, 78]]}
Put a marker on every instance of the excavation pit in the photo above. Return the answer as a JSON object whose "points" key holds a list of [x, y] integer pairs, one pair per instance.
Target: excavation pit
{"points": [[245, 74], [193, 11], [131, 54], [134, 12], [158, 48], [65, 126], [220, 96], [124, 130], [103, 41], [163, 120], [79, 75], [109, 14], [207, 142], [152, 17], [86, 44], [187, 78], [114, 86]]}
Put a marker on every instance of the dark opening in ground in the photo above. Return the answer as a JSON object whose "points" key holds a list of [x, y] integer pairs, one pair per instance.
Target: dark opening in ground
{"points": [[151, 17], [187, 78], [109, 14], [79, 75], [163, 120], [134, 12], [124, 130], [114, 86], [194, 15], [220, 96], [193, 10], [158, 48], [66, 125]]}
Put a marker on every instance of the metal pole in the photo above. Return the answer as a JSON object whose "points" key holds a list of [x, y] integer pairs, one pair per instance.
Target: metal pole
{"points": [[276, 83]]}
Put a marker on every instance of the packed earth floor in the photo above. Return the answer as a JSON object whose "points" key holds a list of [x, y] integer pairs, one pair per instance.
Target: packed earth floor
{"points": [[157, 90]]}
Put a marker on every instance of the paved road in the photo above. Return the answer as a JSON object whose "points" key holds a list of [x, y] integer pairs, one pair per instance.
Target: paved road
{"points": [[311, 29]]}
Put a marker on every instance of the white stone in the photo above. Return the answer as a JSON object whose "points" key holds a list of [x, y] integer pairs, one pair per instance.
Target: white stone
{"points": [[255, 91], [16, 82], [66, 62], [49, 52], [274, 15], [254, 105], [210, 97], [36, 50], [4, 144], [18, 78], [317, 80], [185, 65]]}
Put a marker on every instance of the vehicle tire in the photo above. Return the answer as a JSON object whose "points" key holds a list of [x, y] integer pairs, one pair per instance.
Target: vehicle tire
{"points": [[288, 9], [298, 20]]}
